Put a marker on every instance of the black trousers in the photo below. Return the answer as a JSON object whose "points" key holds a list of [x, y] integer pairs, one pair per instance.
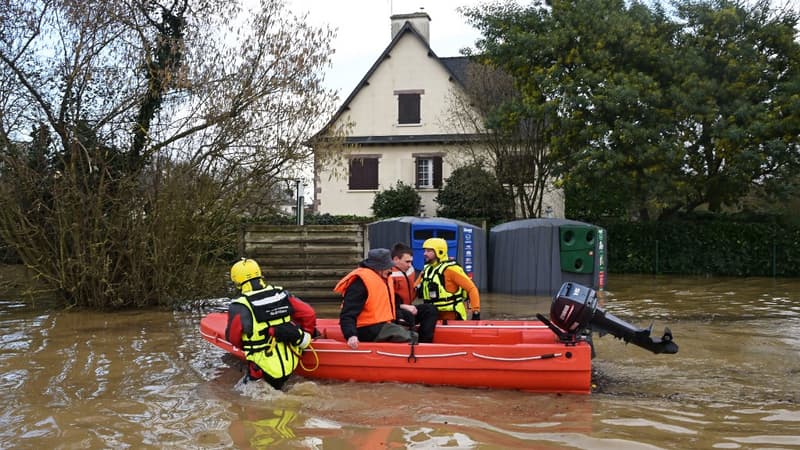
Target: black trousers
{"points": [[426, 318]]}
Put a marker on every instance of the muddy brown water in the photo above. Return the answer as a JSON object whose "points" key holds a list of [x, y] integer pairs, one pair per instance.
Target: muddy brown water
{"points": [[147, 380]]}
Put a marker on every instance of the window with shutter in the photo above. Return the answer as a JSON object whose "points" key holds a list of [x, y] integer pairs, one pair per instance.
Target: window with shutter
{"points": [[429, 172], [363, 174], [408, 109]]}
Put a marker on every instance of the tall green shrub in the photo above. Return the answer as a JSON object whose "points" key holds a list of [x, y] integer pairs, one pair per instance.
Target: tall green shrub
{"points": [[401, 200], [471, 191]]}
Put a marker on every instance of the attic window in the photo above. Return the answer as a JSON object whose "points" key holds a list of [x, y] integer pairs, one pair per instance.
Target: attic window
{"points": [[408, 107]]}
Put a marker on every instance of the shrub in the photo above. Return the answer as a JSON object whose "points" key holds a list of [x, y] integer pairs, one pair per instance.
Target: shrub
{"points": [[471, 191], [401, 200]]}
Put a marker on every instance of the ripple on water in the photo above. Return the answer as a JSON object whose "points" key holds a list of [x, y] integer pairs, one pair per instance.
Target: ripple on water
{"points": [[142, 379], [788, 440], [639, 423], [777, 415]]}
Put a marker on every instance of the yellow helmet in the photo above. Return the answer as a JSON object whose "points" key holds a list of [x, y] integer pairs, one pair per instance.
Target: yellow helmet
{"points": [[245, 270], [439, 246]]}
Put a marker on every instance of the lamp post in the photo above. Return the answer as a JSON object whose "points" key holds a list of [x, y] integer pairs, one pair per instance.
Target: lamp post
{"points": [[299, 188]]}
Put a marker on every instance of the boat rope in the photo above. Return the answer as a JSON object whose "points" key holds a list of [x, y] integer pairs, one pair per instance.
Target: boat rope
{"points": [[316, 359], [342, 351], [216, 340], [526, 358], [442, 355]]}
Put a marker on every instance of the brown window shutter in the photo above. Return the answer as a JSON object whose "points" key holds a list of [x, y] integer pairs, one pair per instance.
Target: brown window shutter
{"points": [[408, 108], [416, 172], [363, 173], [437, 172]]}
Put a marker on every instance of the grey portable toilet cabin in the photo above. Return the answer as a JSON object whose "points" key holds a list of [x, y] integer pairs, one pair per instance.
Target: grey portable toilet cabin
{"points": [[466, 243], [536, 256]]}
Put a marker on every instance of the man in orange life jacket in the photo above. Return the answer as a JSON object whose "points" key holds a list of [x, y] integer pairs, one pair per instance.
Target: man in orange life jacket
{"points": [[403, 277], [444, 284], [368, 305], [270, 325]]}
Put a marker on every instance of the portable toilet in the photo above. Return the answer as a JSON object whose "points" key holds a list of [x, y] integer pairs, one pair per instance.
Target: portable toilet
{"points": [[536, 256], [466, 243]]}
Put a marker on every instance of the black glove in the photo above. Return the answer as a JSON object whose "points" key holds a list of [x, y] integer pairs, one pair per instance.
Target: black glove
{"points": [[476, 315], [288, 333]]}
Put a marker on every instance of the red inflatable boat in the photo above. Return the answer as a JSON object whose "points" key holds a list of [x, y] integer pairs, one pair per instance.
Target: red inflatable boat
{"points": [[522, 355], [549, 355]]}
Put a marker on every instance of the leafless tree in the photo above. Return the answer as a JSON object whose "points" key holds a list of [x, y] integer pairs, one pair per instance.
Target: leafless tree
{"points": [[134, 135], [507, 136]]}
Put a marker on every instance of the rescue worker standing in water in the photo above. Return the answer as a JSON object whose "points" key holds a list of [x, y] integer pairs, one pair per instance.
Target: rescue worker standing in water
{"points": [[269, 324], [445, 285]]}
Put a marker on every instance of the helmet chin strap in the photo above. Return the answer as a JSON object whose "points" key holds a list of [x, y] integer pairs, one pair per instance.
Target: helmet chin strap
{"points": [[252, 285]]}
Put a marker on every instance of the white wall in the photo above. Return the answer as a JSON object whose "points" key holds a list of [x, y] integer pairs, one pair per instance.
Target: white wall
{"points": [[396, 163], [373, 112]]}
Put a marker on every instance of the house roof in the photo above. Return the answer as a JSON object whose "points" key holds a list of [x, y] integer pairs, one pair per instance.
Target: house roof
{"points": [[455, 66], [411, 139]]}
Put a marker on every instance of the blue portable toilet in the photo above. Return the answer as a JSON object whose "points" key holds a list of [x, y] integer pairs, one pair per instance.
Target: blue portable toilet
{"points": [[466, 243], [536, 256]]}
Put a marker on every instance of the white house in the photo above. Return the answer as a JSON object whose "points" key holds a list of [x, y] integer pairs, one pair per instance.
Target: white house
{"points": [[398, 115]]}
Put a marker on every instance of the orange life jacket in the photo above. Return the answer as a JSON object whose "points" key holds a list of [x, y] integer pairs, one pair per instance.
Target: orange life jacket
{"points": [[379, 307], [404, 285]]}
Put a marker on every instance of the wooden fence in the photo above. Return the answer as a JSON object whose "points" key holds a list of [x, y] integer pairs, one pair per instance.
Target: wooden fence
{"points": [[306, 260]]}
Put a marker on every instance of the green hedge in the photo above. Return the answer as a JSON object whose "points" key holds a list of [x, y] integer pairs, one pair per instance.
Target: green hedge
{"points": [[704, 247], [310, 219], [699, 245]]}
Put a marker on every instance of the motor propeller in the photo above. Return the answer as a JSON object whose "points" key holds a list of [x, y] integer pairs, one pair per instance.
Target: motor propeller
{"points": [[574, 311]]}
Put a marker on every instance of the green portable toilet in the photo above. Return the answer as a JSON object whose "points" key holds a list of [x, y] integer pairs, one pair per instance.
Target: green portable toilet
{"points": [[536, 256], [576, 246]]}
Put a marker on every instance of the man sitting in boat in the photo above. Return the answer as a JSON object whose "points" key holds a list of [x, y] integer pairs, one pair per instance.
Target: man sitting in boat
{"points": [[368, 305], [404, 278], [445, 285], [270, 325]]}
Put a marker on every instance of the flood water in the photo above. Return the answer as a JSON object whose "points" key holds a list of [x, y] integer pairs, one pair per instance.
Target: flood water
{"points": [[147, 380]]}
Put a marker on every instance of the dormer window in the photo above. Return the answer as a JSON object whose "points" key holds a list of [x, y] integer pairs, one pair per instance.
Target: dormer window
{"points": [[408, 106]]}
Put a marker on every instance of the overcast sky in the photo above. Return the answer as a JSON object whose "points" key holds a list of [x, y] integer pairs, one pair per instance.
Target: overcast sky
{"points": [[363, 32]]}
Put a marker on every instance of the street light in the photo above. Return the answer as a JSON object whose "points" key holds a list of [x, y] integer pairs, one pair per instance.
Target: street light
{"points": [[299, 193]]}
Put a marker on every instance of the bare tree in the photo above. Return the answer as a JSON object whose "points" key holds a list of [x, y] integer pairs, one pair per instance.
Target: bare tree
{"points": [[506, 135], [135, 134]]}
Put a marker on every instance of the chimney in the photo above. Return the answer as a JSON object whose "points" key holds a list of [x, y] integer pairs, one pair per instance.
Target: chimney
{"points": [[421, 21]]}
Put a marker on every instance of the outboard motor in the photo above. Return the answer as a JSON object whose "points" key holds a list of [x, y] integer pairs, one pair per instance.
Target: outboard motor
{"points": [[574, 312]]}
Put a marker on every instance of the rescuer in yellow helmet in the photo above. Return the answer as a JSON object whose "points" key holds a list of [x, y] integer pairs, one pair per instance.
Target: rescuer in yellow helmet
{"points": [[272, 326], [445, 285]]}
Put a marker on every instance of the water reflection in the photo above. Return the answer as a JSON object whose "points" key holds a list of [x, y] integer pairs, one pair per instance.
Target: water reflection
{"points": [[146, 380]]}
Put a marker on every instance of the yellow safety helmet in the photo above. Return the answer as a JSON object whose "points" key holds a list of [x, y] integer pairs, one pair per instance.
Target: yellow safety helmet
{"points": [[245, 270], [439, 246]]}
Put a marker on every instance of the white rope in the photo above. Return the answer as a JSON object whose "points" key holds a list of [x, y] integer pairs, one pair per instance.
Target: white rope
{"points": [[527, 358], [406, 355], [215, 338], [340, 351]]}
